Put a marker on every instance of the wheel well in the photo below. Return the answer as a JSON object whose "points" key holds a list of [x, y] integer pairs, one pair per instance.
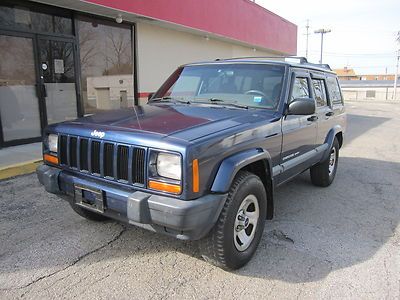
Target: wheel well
{"points": [[261, 169], [339, 137]]}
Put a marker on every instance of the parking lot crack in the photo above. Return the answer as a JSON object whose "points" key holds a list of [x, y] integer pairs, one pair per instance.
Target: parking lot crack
{"points": [[77, 260]]}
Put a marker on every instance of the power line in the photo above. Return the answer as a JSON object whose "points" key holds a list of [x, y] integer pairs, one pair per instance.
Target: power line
{"points": [[357, 54]]}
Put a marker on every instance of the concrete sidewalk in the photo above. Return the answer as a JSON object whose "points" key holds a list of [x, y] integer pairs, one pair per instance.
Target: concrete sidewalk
{"points": [[19, 160]]}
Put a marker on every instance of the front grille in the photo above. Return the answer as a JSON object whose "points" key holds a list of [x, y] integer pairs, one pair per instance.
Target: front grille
{"points": [[95, 157], [138, 165], [106, 159], [123, 163], [63, 145], [73, 141], [83, 154]]}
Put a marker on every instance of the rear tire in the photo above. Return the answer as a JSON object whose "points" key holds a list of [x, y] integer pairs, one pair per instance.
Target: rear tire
{"points": [[87, 214], [324, 173], [237, 233]]}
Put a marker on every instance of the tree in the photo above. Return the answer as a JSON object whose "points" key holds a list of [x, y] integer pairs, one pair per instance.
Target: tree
{"points": [[118, 52]]}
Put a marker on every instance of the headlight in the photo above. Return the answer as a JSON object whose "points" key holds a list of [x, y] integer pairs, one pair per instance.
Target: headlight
{"points": [[52, 142], [169, 165]]}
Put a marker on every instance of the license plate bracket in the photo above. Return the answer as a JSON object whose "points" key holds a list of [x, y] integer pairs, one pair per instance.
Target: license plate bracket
{"points": [[90, 198]]}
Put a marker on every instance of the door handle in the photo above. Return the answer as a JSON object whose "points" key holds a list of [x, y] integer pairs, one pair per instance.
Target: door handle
{"points": [[312, 118], [329, 114], [44, 90]]}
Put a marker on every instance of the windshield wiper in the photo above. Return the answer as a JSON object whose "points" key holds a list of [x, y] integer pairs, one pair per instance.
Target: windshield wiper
{"points": [[169, 99], [233, 104]]}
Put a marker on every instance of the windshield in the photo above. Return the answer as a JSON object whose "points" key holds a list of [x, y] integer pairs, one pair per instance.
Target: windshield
{"points": [[249, 85]]}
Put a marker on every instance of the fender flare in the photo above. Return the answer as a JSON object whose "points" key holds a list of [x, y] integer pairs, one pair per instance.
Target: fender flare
{"points": [[231, 165], [330, 137]]}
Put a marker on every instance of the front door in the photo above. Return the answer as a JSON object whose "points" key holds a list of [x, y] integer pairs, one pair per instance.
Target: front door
{"points": [[57, 78], [20, 118], [299, 132], [37, 85]]}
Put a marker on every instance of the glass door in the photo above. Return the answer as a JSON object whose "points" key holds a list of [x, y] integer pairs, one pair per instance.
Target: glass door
{"points": [[57, 78], [19, 105]]}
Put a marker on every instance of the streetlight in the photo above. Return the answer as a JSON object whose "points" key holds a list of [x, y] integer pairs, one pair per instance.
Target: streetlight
{"points": [[322, 32]]}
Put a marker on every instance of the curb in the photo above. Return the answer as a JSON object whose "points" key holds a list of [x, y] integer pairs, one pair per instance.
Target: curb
{"points": [[25, 167]]}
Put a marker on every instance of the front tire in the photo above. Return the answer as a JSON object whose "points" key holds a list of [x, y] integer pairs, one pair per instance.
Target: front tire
{"points": [[237, 233], [324, 173]]}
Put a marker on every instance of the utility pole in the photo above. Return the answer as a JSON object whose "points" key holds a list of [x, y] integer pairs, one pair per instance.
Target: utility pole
{"points": [[396, 76], [322, 32], [307, 34]]}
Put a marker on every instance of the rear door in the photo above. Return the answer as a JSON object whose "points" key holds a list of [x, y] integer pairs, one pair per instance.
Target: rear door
{"points": [[324, 108], [299, 131]]}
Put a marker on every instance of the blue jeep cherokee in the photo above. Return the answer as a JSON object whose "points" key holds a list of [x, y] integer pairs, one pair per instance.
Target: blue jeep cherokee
{"points": [[202, 158]]}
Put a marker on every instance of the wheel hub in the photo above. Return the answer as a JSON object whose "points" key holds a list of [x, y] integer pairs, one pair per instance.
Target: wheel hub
{"points": [[243, 221], [246, 223], [332, 161]]}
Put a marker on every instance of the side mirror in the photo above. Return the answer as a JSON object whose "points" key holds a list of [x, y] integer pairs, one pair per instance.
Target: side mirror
{"points": [[150, 96], [301, 106]]}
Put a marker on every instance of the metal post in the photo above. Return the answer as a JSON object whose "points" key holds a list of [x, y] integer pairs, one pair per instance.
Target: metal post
{"points": [[308, 27], [322, 32], [396, 76], [322, 47]]}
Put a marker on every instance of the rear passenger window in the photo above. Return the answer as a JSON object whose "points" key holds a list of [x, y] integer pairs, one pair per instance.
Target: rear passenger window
{"points": [[334, 91], [300, 88], [319, 92]]}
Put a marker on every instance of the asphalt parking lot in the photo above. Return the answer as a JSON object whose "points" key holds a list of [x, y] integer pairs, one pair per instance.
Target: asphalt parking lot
{"points": [[336, 242]]}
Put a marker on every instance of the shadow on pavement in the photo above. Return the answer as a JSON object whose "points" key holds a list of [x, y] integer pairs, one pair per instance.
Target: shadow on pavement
{"points": [[358, 125]]}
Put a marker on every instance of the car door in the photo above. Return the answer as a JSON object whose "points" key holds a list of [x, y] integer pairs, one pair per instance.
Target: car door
{"points": [[299, 132], [324, 109]]}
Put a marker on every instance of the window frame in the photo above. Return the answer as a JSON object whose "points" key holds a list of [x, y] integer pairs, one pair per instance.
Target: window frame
{"points": [[334, 102], [327, 100], [299, 74]]}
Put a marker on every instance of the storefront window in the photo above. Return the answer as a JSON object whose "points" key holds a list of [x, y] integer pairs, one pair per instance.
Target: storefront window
{"points": [[21, 18], [106, 65], [19, 106]]}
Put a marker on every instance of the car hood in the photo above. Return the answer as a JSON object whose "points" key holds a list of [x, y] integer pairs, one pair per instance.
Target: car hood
{"points": [[179, 120]]}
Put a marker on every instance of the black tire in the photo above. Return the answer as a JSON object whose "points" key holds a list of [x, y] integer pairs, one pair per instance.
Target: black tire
{"points": [[320, 173], [219, 246], [87, 214]]}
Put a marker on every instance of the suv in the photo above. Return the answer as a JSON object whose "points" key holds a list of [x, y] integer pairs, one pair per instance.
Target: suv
{"points": [[201, 160]]}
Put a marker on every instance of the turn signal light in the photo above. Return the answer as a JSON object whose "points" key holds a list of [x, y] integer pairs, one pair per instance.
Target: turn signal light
{"points": [[196, 184], [165, 187], [50, 159]]}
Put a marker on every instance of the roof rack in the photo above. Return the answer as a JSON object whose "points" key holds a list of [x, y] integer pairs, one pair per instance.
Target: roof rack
{"points": [[300, 60]]}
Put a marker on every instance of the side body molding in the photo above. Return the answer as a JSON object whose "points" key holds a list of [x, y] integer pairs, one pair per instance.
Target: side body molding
{"points": [[231, 165]]}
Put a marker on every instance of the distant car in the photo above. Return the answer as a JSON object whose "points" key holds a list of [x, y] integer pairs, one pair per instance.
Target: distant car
{"points": [[202, 158]]}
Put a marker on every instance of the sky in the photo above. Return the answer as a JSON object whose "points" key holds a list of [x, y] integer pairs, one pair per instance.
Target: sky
{"points": [[363, 33]]}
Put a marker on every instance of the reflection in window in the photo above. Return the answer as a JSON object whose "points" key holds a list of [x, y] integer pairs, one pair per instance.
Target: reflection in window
{"points": [[19, 106], [59, 79], [254, 85], [300, 88], [320, 93], [106, 64], [21, 18], [334, 90]]}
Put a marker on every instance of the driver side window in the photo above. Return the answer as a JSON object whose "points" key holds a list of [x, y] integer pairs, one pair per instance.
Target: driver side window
{"points": [[300, 88]]}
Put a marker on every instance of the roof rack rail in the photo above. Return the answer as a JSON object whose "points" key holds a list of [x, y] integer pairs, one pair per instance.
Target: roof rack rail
{"points": [[301, 60]]}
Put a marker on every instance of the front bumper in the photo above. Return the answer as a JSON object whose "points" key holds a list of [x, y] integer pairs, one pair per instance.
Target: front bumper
{"points": [[183, 219]]}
